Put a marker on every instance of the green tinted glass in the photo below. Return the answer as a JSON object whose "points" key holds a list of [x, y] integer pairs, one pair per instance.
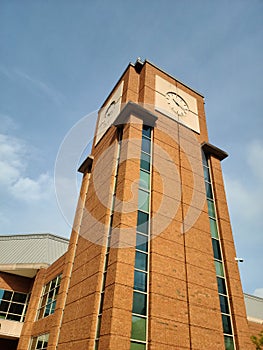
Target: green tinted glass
{"points": [[138, 328], [140, 281], [141, 261], [142, 222], [219, 268], [143, 200], [211, 209], [139, 303], [226, 324], [213, 228], [145, 162], [209, 192], [229, 343], [141, 242], [144, 180]]}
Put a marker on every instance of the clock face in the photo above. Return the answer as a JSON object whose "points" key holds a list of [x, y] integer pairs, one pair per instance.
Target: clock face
{"points": [[177, 104]]}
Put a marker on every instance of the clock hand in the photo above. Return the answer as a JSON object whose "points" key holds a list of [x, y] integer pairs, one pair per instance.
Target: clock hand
{"points": [[178, 105]]}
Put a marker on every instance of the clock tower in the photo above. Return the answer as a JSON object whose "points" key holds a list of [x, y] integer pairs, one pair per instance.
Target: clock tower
{"points": [[153, 258]]}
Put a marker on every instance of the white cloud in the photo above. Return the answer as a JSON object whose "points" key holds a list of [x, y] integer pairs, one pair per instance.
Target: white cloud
{"points": [[258, 292], [12, 150], [14, 159], [31, 190]]}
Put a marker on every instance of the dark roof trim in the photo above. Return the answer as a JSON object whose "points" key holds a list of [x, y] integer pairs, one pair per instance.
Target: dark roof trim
{"points": [[132, 108], [214, 151], [86, 165]]}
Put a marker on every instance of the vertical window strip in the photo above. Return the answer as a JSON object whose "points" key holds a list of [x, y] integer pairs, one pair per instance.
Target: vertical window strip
{"points": [[218, 260], [108, 240], [141, 267]]}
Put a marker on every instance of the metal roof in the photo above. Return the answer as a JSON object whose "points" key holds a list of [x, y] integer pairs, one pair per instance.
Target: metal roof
{"points": [[21, 253]]}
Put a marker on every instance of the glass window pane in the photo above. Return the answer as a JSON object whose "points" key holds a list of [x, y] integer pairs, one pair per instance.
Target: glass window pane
{"points": [[19, 297], [141, 261], [216, 249], [137, 346], [229, 343], [13, 317], [4, 306], [47, 310], [53, 306], [146, 145], [58, 280], [138, 328], [219, 268], [2, 315], [140, 281], [204, 158], [16, 308], [224, 304], [1, 293], [226, 324], [145, 162], [98, 327], [139, 303], [7, 295], [143, 200], [53, 284], [144, 180], [146, 131], [39, 344], [213, 228], [141, 242], [142, 222], [221, 284], [209, 192], [46, 288], [211, 209], [206, 174]]}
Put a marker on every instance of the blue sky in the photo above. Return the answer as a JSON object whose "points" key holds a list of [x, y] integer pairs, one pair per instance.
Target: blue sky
{"points": [[60, 59]]}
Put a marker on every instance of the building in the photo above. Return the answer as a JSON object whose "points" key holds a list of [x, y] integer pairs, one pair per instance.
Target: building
{"points": [[151, 259]]}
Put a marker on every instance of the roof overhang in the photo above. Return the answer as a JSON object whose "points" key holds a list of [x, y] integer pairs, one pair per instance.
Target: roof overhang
{"points": [[25, 270], [212, 150], [86, 165]]}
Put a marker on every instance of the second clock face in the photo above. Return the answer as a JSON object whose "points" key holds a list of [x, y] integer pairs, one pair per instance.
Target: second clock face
{"points": [[177, 104]]}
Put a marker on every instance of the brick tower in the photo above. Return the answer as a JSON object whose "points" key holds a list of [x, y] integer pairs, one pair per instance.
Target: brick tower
{"points": [[151, 262]]}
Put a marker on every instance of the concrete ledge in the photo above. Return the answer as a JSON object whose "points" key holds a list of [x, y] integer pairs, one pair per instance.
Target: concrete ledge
{"points": [[210, 149], [10, 329]]}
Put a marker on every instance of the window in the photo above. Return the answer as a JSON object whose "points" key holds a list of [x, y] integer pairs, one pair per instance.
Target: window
{"points": [[40, 342], [109, 236], [49, 298], [141, 266], [13, 305], [218, 260]]}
